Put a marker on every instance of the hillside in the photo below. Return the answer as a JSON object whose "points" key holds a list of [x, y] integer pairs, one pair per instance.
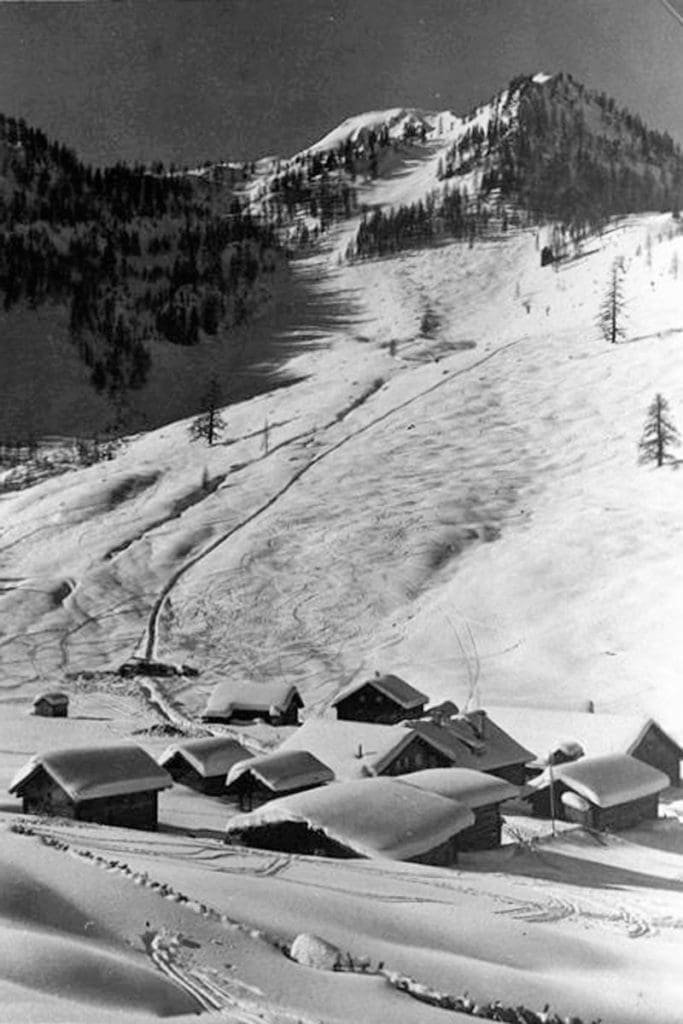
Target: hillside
{"points": [[446, 486], [108, 275]]}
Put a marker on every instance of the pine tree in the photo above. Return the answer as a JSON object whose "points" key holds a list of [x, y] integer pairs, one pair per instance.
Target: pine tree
{"points": [[611, 315], [209, 424], [659, 434]]}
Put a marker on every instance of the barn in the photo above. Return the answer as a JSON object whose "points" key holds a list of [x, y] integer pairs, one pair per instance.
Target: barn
{"points": [[355, 750], [372, 818], [613, 791], [474, 740], [482, 793], [259, 779], [111, 785], [547, 731], [203, 764], [51, 704], [384, 699], [275, 703]]}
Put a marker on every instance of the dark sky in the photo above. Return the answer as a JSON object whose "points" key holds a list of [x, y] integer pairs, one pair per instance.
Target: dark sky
{"points": [[186, 80]]}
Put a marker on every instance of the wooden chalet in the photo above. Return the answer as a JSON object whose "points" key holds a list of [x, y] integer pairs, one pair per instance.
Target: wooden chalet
{"points": [[356, 750], [203, 764], [559, 735], [372, 818], [275, 703], [384, 699], [482, 793], [259, 779], [474, 740], [613, 791], [110, 785], [51, 704]]}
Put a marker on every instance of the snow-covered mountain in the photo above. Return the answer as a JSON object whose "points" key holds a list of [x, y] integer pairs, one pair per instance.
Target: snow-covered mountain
{"points": [[449, 490]]}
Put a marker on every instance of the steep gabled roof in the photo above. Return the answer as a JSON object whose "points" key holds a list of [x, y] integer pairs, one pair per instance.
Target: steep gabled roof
{"points": [[352, 749], [373, 817], [214, 755], [259, 698], [393, 687], [607, 780], [545, 730], [87, 773], [283, 770], [473, 740], [471, 788]]}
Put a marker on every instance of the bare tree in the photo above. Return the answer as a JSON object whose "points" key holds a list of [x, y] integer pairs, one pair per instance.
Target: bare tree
{"points": [[659, 434], [611, 315], [209, 424]]}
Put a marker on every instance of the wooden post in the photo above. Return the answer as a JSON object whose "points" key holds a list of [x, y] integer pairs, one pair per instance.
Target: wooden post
{"points": [[552, 792]]}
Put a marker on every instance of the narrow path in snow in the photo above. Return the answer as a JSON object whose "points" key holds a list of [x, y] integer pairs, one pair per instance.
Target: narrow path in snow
{"points": [[150, 636]]}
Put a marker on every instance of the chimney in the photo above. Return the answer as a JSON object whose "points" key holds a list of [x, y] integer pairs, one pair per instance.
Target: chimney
{"points": [[359, 752], [478, 720]]}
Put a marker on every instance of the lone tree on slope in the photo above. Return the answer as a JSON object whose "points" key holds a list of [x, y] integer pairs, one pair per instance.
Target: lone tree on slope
{"points": [[209, 424], [611, 315], [659, 434]]}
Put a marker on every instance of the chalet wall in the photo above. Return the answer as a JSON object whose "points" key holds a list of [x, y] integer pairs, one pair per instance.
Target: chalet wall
{"points": [[444, 855], [415, 756], [44, 796], [183, 773], [624, 815], [514, 773], [292, 837], [46, 710], [130, 810], [485, 833], [369, 705], [656, 749]]}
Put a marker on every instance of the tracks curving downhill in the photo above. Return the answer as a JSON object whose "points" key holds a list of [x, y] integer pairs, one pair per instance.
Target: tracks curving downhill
{"points": [[150, 635]]}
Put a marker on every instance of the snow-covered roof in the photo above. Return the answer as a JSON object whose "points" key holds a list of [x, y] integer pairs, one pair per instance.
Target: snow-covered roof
{"points": [[373, 817], [469, 787], [214, 755], [353, 750], [88, 773], [53, 697], [473, 740], [390, 686], [545, 730], [271, 698], [607, 780], [283, 770]]}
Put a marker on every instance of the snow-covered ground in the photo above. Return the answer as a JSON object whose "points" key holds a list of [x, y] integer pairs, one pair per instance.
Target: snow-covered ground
{"points": [[450, 492], [459, 507]]}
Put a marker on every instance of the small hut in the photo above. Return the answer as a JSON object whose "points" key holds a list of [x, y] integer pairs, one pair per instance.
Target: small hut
{"points": [[51, 704], [613, 791], [111, 785], [203, 764], [259, 779], [385, 699], [482, 793], [275, 703], [373, 818]]}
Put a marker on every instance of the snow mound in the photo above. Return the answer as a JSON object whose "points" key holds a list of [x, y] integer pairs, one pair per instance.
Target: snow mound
{"points": [[312, 951]]}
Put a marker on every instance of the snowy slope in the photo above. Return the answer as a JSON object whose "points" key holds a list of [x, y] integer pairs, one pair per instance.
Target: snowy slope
{"points": [[485, 495]]}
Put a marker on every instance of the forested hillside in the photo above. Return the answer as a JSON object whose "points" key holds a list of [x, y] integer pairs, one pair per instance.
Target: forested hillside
{"points": [[129, 254], [546, 151]]}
